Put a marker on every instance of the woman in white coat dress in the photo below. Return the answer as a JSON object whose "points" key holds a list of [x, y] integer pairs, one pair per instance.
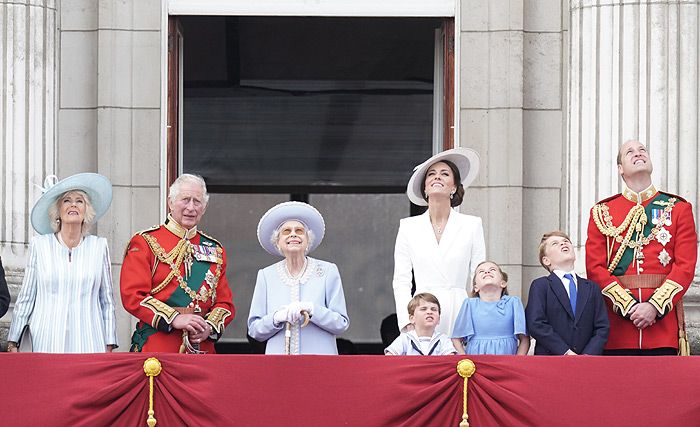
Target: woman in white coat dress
{"points": [[442, 246], [296, 284]]}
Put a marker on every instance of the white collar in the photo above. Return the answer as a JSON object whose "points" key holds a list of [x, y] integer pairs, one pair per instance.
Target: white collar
{"points": [[560, 274]]}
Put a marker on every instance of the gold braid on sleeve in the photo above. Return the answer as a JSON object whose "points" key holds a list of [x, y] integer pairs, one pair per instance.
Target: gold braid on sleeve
{"points": [[216, 318], [662, 298], [159, 309], [621, 298]]}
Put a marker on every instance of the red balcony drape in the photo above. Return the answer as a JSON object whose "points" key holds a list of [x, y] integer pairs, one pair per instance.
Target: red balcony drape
{"points": [[246, 390]]}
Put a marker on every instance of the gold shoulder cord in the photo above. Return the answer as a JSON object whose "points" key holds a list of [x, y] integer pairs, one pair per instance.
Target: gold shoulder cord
{"points": [[634, 222], [601, 213], [174, 258]]}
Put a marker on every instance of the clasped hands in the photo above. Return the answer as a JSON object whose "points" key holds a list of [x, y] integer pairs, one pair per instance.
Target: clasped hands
{"points": [[292, 313], [643, 315], [197, 328]]}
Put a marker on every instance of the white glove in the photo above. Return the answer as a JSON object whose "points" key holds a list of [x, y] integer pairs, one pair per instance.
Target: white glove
{"points": [[280, 316], [307, 306], [294, 313]]}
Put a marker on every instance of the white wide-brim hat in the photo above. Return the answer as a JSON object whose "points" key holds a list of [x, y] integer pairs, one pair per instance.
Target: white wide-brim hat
{"points": [[97, 187], [466, 160], [290, 211]]}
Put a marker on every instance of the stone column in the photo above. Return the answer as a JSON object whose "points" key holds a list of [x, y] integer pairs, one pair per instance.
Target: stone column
{"points": [[128, 149], [633, 75], [512, 102], [491, 122], [27, 124]]}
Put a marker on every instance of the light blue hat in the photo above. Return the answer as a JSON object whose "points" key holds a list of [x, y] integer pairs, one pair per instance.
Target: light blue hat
{"points": [[97, 187], [290, 211], [466, 160]]}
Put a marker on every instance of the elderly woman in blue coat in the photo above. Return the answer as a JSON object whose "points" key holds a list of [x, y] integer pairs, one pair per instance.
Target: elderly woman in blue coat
{"points": [[297, 285]]}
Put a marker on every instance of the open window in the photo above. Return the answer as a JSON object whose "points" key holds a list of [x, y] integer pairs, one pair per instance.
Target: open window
{"points": [[329, 110]]}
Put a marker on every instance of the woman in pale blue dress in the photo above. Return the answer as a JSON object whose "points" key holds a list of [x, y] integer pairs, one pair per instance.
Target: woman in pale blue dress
{"points": [[296, 286], [66, 298], [492, 322]]}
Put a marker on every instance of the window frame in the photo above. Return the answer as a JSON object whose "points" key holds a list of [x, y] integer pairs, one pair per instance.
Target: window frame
{"points": [[173, 144]]}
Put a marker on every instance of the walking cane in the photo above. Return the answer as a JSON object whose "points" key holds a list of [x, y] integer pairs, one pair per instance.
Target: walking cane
{"points": [[288, 332]]}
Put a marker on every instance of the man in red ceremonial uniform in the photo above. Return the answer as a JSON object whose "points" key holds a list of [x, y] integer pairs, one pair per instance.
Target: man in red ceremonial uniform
{"points": [[174, 278], [641, 250]]}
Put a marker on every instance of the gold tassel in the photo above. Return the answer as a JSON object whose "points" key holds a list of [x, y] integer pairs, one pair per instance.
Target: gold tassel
{"points": [[465, 368], [683, 346], [152, 369], [183, 345]]}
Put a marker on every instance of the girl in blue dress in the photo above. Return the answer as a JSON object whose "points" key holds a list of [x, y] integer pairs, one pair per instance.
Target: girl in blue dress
{"points": [[492, 322]]}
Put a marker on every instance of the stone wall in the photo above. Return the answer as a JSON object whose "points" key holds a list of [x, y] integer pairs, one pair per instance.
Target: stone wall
{"points": [[27, 125], [512, 80]]}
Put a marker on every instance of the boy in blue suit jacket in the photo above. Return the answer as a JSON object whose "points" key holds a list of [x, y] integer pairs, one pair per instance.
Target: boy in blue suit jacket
{"points": [[565, 313]]}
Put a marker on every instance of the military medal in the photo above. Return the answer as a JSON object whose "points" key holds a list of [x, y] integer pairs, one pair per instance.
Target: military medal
{"points": [[664, 257], [663, 236], [206, 254]]}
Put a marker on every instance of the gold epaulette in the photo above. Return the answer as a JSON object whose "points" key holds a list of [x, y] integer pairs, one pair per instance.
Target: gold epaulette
{"points": [[210, 238], [676, 196], [621, 298], [154, 228], [662, 298], [607, 199], [139, 233]]}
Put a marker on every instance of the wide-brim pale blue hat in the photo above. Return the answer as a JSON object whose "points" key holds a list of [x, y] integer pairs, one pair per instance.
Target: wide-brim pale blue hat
{"points": [[290, 211], [97, 187], [466, 160]]}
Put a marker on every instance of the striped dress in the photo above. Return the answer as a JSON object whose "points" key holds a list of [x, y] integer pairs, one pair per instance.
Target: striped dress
{"points": [[68, 304]]}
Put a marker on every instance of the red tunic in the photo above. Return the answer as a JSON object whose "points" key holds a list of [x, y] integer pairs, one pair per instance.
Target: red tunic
{"points": [[679, 255], [141, 275]]}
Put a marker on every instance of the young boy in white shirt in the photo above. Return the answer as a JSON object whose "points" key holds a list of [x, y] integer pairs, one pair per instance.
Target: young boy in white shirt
{"points": [[422, 339]]}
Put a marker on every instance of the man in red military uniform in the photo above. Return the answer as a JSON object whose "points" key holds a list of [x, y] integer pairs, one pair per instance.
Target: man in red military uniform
{"points": [[641, 250], [174, 278]]}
